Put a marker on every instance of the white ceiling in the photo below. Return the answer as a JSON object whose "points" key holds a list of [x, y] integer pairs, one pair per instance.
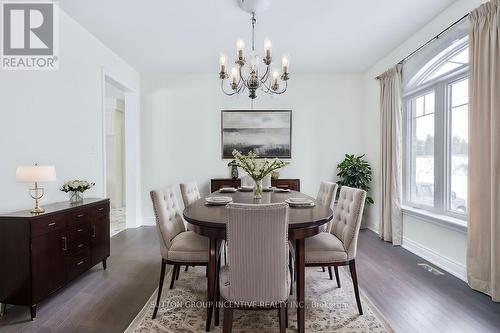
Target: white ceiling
{"points": [[189, 35]]}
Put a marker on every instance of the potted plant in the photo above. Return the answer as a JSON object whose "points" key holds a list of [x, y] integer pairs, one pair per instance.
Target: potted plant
{"points": [[75, 188], [355, 171], [234, 169], [257, 169]]}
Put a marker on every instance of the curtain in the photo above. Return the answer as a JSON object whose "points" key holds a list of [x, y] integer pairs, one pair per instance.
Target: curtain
{"points": [[483, 250], [390, 224]]}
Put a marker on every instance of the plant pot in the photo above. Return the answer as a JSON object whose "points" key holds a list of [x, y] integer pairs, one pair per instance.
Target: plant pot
{"points": [[234, 172]]}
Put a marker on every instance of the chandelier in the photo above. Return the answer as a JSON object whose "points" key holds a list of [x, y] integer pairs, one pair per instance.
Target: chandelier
{"points": [[245, 74]]}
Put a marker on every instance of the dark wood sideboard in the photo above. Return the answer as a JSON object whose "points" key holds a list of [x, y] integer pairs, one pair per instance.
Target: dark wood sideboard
{"points": [[217, 183], [40, 254]]}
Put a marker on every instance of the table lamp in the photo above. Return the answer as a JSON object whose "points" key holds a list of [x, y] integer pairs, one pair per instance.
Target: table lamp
{"points": [[35, 174]]}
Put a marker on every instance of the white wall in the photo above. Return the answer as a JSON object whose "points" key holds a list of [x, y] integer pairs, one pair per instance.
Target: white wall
{"points": [[181, 128], [451, 246], [55, 117]]}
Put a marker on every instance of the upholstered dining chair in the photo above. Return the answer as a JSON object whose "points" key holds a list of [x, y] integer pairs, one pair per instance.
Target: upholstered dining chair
{"points": [[189, 193], [177, 245], [257, 273], [337, 247]]}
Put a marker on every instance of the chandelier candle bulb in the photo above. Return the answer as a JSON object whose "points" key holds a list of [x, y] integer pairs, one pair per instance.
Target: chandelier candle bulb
{"points": [[285, 63], [267, 48], [234, 75], [222, 63], [240, 45]]}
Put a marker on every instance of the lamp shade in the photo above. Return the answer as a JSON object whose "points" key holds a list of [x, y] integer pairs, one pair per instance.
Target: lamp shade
{"points": [[35, 173]]}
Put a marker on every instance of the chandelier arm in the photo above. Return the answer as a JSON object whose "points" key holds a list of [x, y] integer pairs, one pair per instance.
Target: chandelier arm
{"points": [[242, 79], [224, 91], [266, 75], [283, 91]]}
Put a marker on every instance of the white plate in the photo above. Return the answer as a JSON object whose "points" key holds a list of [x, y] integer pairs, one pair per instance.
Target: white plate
{"points": [[245, 188], [281, 190], [218, 200], [227, 190]]}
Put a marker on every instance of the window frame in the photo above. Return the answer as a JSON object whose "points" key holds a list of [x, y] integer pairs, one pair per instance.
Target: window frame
{"points": [[442, 141]]}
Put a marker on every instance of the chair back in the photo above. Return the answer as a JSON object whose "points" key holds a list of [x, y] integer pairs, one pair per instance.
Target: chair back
{"points": [[169, 221], [266, 181], [258, 252], [246, 180], [327, 193], [347, 217], [190, 193]]}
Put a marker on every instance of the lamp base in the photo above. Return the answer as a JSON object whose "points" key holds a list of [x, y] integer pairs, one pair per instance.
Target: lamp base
{"points": [[37, 210]]}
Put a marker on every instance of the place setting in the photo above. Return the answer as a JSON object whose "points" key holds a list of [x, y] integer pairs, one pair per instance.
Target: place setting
{"points": [[218, 201], [300, 202]]}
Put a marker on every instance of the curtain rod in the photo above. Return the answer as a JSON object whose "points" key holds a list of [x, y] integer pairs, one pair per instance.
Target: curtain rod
{"points": [[430, 41]]}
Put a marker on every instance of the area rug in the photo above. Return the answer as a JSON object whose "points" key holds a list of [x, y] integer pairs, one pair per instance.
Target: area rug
{"points": [[328, 308]]}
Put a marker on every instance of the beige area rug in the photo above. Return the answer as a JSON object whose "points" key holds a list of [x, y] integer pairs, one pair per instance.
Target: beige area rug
{"points": [[328, 308]]}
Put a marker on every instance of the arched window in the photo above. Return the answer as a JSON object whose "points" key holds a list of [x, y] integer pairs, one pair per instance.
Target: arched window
{"points": [[435, 103]]}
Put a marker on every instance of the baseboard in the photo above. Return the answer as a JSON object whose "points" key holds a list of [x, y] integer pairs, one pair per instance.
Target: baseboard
{"points": [[372, 226], [148, 221], [450, 266]]}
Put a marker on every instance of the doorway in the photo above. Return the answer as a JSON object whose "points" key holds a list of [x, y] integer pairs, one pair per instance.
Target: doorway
{"points": [[115, 155]]}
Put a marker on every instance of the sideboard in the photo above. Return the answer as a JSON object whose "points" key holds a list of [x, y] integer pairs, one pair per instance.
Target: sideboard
{"points": [[217, 183], [40, 254]]}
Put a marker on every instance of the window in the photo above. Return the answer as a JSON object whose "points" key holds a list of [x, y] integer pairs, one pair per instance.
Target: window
{"points": [[436, 134]]}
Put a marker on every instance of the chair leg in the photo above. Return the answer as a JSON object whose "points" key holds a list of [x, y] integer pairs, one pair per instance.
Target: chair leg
{"points": [[337, 277], [352, 268], [330, 272], [323, 269], [178, 271], [290, 268], [174, 273], [225, 252], [185, 270], [282, 316], [286, 315], [217, 292], [228, 320], [160, 287]]}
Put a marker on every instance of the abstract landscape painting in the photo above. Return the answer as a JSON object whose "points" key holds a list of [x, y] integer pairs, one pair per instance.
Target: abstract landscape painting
{"points": [[267, 132]]}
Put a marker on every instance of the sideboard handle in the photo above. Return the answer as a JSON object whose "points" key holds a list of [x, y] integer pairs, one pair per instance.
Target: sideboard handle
{"points": [[79, 230], [93, 231], [51, 224], [81, 262], [79, 215], [65, 243], [101, 209], [80, 245]]}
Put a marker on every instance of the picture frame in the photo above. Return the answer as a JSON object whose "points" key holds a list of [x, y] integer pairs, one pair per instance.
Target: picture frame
{"points": [[267, 132]]}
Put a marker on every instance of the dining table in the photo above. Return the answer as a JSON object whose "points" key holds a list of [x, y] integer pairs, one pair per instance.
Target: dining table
{"points": [[210, 221]]}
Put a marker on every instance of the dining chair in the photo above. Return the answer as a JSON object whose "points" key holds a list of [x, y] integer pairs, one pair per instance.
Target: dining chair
{"points": [[337, 247], [266, 181], [257, 276], [246, 180], [178, 246], [189, 193], [326, 196]]}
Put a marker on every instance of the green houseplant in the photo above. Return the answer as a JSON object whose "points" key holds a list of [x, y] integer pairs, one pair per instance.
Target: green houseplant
{"points": [[355, 171]]}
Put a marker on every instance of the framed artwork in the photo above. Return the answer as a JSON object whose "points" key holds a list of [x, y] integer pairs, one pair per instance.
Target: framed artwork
{"points": [[268, 133]]}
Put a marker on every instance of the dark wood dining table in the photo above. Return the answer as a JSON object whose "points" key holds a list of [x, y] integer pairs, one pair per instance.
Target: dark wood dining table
{"points": [[210, 221]]}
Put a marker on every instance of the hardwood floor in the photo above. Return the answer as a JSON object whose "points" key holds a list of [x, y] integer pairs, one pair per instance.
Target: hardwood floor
{"points": [[411, 298]]}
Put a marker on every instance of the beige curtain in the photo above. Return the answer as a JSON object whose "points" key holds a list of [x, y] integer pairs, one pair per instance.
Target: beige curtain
{"points": [[483, 251], [390, 225]]}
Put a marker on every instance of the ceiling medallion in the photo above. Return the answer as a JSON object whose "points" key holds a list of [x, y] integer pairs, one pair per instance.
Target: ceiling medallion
{"points": [[245, 75]]}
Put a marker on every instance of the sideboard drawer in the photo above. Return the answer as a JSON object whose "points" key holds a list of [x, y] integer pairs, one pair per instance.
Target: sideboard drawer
{"points": [[77, 263], [46, 224], [77, 216], [100, 210]]}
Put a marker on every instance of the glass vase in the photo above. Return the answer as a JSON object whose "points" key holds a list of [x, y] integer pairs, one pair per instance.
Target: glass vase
{"points": [[75, 196], [257, 189]]}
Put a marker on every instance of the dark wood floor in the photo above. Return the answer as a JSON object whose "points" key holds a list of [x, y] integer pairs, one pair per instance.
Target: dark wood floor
{"points": [[412, 299]]}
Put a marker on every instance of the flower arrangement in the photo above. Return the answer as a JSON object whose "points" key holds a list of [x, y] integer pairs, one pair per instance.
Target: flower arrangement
{"points": [[257, 169], [76, 185], [76, 188]]}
